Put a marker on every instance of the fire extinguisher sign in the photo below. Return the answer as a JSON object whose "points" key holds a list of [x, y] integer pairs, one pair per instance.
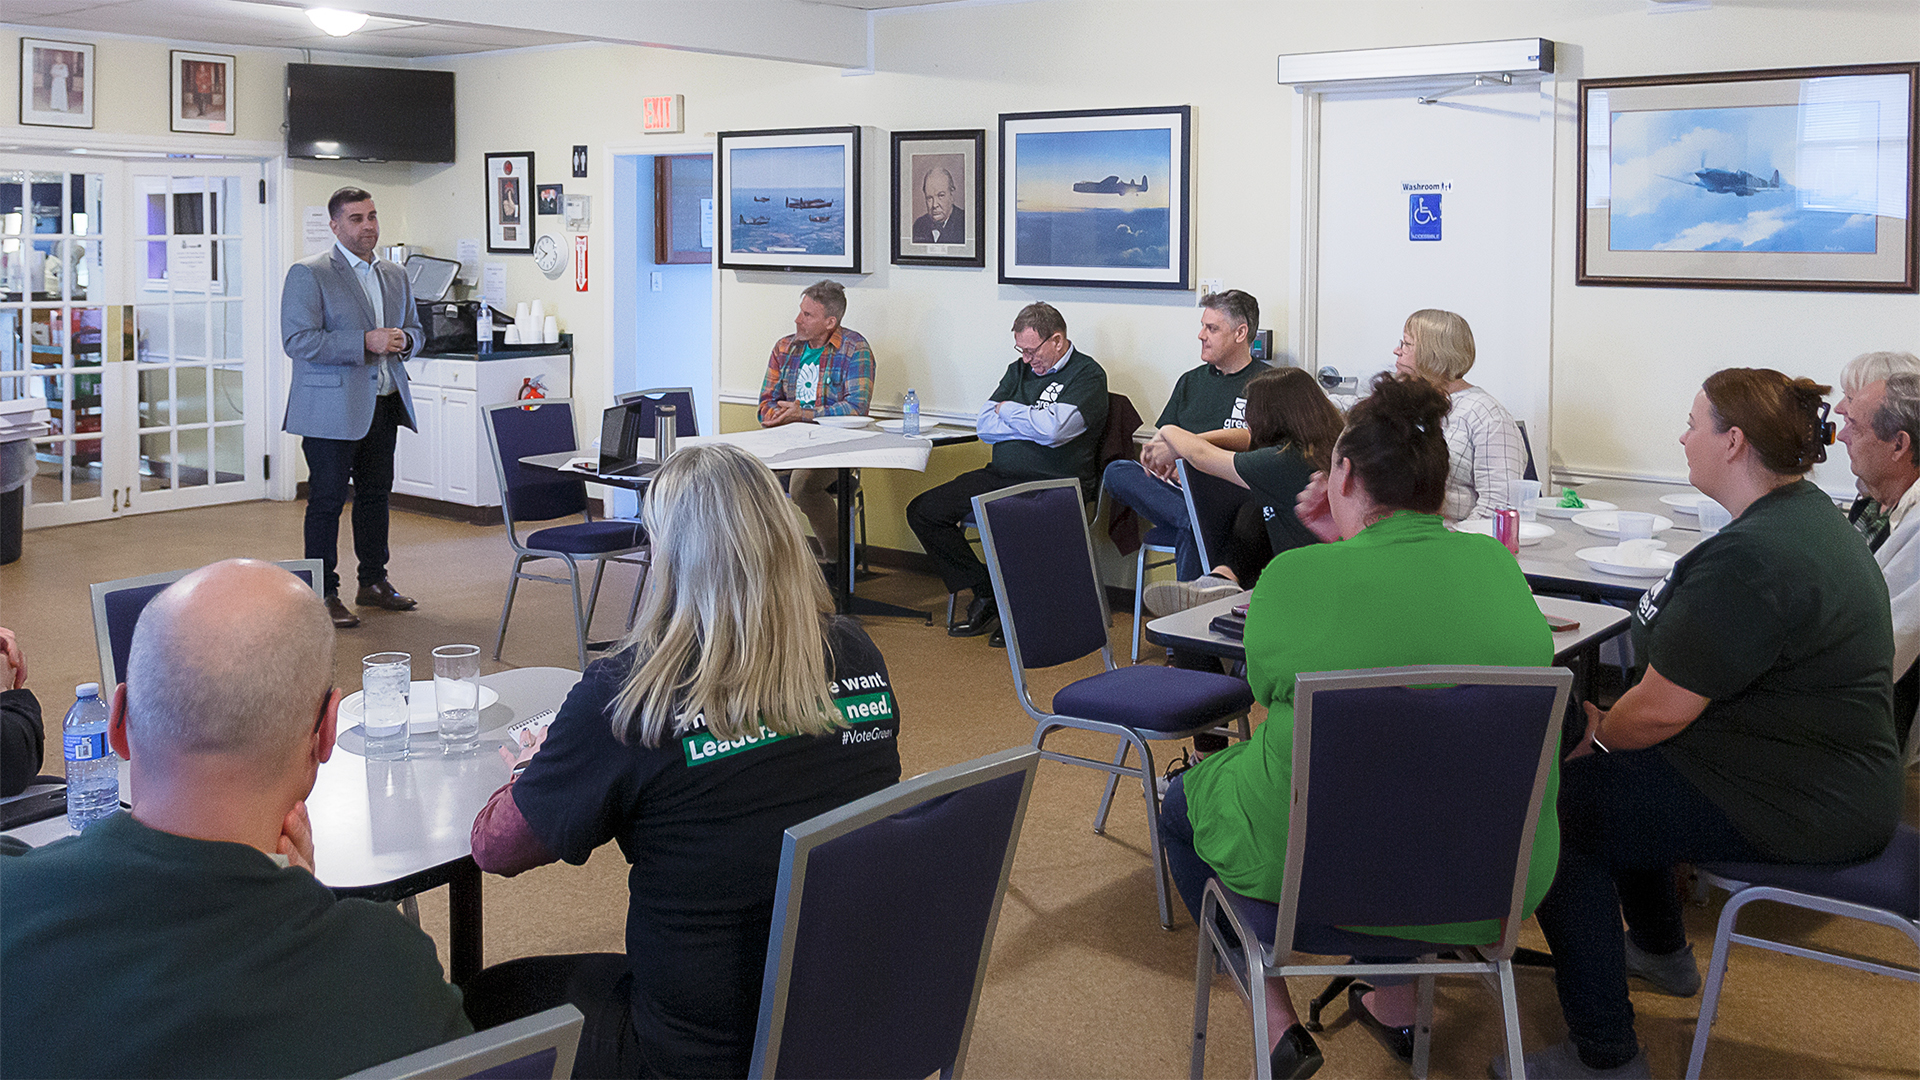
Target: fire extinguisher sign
{"points": [[580, 263]]}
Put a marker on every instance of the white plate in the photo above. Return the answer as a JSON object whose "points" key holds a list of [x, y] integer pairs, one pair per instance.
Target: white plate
{"points": [[898, 427], [1607, 523], [1531, 532], [843, 421], [1686, 502], [1603, 560], [421, 715], [1549, 506]]}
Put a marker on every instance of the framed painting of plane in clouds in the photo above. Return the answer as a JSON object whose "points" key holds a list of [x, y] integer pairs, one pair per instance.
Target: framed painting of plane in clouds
{"points": [[789, 199], [1096, 197], [1798, 178]]}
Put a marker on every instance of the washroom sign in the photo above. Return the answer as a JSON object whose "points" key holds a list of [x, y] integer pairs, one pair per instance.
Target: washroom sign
{"points": [[1423, 207]]}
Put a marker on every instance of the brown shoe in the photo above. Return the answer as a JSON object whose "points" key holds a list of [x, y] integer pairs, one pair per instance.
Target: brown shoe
{"points": [[380, 594], [343, 618]]}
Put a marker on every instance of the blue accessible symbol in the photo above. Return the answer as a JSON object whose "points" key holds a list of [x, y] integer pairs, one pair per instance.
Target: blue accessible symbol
{"points": [[1423, 217]]}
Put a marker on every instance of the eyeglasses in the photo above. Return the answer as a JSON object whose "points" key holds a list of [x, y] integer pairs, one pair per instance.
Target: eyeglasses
{"points": [[1029, 354], [1403, 343]]}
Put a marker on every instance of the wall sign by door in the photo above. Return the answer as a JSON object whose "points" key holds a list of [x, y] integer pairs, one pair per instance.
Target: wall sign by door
{"points": [[580, 264], [1423, 209]]}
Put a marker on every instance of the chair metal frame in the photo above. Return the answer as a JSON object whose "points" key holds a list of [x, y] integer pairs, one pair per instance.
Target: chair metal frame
{"points": [[1495, 963], [1047, 721], [790, 894], [110, 673], [582, 618], [556, 1029], [1744, 893], [1104, 505]]}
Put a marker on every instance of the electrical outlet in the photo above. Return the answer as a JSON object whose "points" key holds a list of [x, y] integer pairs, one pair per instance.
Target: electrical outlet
{"points": [[657, 281], [1209, 286]]}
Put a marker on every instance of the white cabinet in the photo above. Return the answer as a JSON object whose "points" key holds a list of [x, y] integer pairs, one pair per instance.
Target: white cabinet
{"points": [[447, 459]]}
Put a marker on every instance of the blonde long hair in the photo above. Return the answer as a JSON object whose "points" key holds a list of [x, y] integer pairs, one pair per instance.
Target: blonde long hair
{"points": [[731, 621]]}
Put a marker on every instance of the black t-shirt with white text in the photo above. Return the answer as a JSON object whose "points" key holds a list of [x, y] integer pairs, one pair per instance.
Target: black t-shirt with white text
{"points": [[700, 820]]}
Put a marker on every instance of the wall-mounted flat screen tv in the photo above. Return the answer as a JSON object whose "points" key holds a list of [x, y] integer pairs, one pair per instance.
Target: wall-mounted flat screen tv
{"points": [[369, 114]]}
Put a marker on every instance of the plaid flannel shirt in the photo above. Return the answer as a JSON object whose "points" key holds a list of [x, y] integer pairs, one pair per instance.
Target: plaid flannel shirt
{"points": [[846, 375]]}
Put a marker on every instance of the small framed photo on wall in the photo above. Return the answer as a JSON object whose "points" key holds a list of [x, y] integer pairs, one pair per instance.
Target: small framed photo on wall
{"points": [[202, 92], [56, 83], [547, 198], [939, 193], [509, 195]]}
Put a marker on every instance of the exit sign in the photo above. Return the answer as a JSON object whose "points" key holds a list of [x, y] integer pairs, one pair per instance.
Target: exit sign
{"points": [[662, 114]]}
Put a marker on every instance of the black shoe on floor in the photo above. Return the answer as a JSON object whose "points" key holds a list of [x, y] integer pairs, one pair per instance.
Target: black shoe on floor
{"points": [[1397, 1041], [381, 594], [342, 616], [1297, 1056], [982, 617]]}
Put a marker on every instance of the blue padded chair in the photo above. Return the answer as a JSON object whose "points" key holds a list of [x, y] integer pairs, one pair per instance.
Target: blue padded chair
{"points": [[537, 1047], [1436, 829], [1053, 610], [117, 606], [685, 423], [516, 430], [1884, 889], [882, 922]]}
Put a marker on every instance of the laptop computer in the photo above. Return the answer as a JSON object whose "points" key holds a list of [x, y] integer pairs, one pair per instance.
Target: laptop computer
{"points": [[620, 442]]}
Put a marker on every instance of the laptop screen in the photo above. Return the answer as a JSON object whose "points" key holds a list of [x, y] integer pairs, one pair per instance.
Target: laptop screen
{"points": [[619, 437]]}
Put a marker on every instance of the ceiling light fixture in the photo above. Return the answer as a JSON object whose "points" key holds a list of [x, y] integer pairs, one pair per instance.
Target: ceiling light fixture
{"points": [[335, 22]]}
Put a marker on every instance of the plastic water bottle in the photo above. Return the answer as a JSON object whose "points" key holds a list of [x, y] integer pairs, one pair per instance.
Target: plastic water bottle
{"points": [[910, 414], [93, 769], [483, 328]]}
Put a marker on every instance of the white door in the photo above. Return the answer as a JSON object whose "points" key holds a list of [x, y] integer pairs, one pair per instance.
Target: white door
{"points": [[1475, 170], [133, 301], [199, 288]]}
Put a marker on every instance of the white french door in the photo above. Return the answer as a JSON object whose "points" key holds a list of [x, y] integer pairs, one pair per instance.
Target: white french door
{"points": [[134, 301]]}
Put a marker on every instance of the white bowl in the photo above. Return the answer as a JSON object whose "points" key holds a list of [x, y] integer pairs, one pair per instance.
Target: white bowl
{"points": [[1549, 506], [1531, 532], [843, 421], [1687, 502], [1606, 560], [421, 714], [1607, 523]]}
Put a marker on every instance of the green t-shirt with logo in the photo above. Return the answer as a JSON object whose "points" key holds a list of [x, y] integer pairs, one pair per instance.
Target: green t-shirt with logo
{"points": [[1206, 400]]}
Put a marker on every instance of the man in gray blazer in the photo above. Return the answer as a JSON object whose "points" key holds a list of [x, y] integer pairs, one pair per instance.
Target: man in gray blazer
{"points": [[349, 394]]}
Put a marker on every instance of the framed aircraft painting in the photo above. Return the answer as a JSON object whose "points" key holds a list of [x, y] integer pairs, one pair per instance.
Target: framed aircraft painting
{"points": [[1096, 197], [1796, 178]]}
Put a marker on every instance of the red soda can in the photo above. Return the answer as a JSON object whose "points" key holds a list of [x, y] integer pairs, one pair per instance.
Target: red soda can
{"points": [[1506, 529]]}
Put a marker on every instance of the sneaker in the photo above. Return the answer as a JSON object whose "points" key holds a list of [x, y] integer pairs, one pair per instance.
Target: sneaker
{"points": [[1167, 597], [1562, 1062], [1174, 768], [1677, 974]]}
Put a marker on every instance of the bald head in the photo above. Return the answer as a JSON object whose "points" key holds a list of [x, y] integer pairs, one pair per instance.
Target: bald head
{"points": [[233, 659]]}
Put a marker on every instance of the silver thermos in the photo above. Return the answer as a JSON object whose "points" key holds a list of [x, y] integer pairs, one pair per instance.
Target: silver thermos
{"points": [[666, 425]]}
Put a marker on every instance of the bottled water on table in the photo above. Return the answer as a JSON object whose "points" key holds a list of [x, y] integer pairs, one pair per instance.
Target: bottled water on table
{"points": [[93, 769], [910, 414]]}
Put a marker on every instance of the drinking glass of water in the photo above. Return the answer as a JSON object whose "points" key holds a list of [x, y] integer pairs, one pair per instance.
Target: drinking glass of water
{"points": [[456, 696], [385, 679]]}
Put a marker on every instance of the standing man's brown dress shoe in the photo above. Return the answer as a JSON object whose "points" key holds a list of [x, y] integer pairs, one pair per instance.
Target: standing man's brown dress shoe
{"points": [[342, 618], [380, 594]]}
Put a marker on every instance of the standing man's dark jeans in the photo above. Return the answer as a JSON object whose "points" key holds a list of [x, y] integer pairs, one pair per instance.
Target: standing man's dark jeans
{"points": [[598, 984], [1625, 819], [368, 463]]}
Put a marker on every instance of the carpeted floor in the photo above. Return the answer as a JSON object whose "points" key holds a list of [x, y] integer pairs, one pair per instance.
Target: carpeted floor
{"points": [[1083, 982]]}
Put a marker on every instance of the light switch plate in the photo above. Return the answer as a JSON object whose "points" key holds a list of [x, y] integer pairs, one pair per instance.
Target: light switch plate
{"points": [[1209, 286]]}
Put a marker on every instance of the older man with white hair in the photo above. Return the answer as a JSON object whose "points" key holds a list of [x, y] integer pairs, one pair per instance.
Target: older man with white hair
{"points": [[192, 929], [1881, 404]]}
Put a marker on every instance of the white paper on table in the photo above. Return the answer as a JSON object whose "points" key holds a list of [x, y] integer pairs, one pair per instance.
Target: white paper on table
{"points": [[493, 287], [801, 446], [315, 236]]}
